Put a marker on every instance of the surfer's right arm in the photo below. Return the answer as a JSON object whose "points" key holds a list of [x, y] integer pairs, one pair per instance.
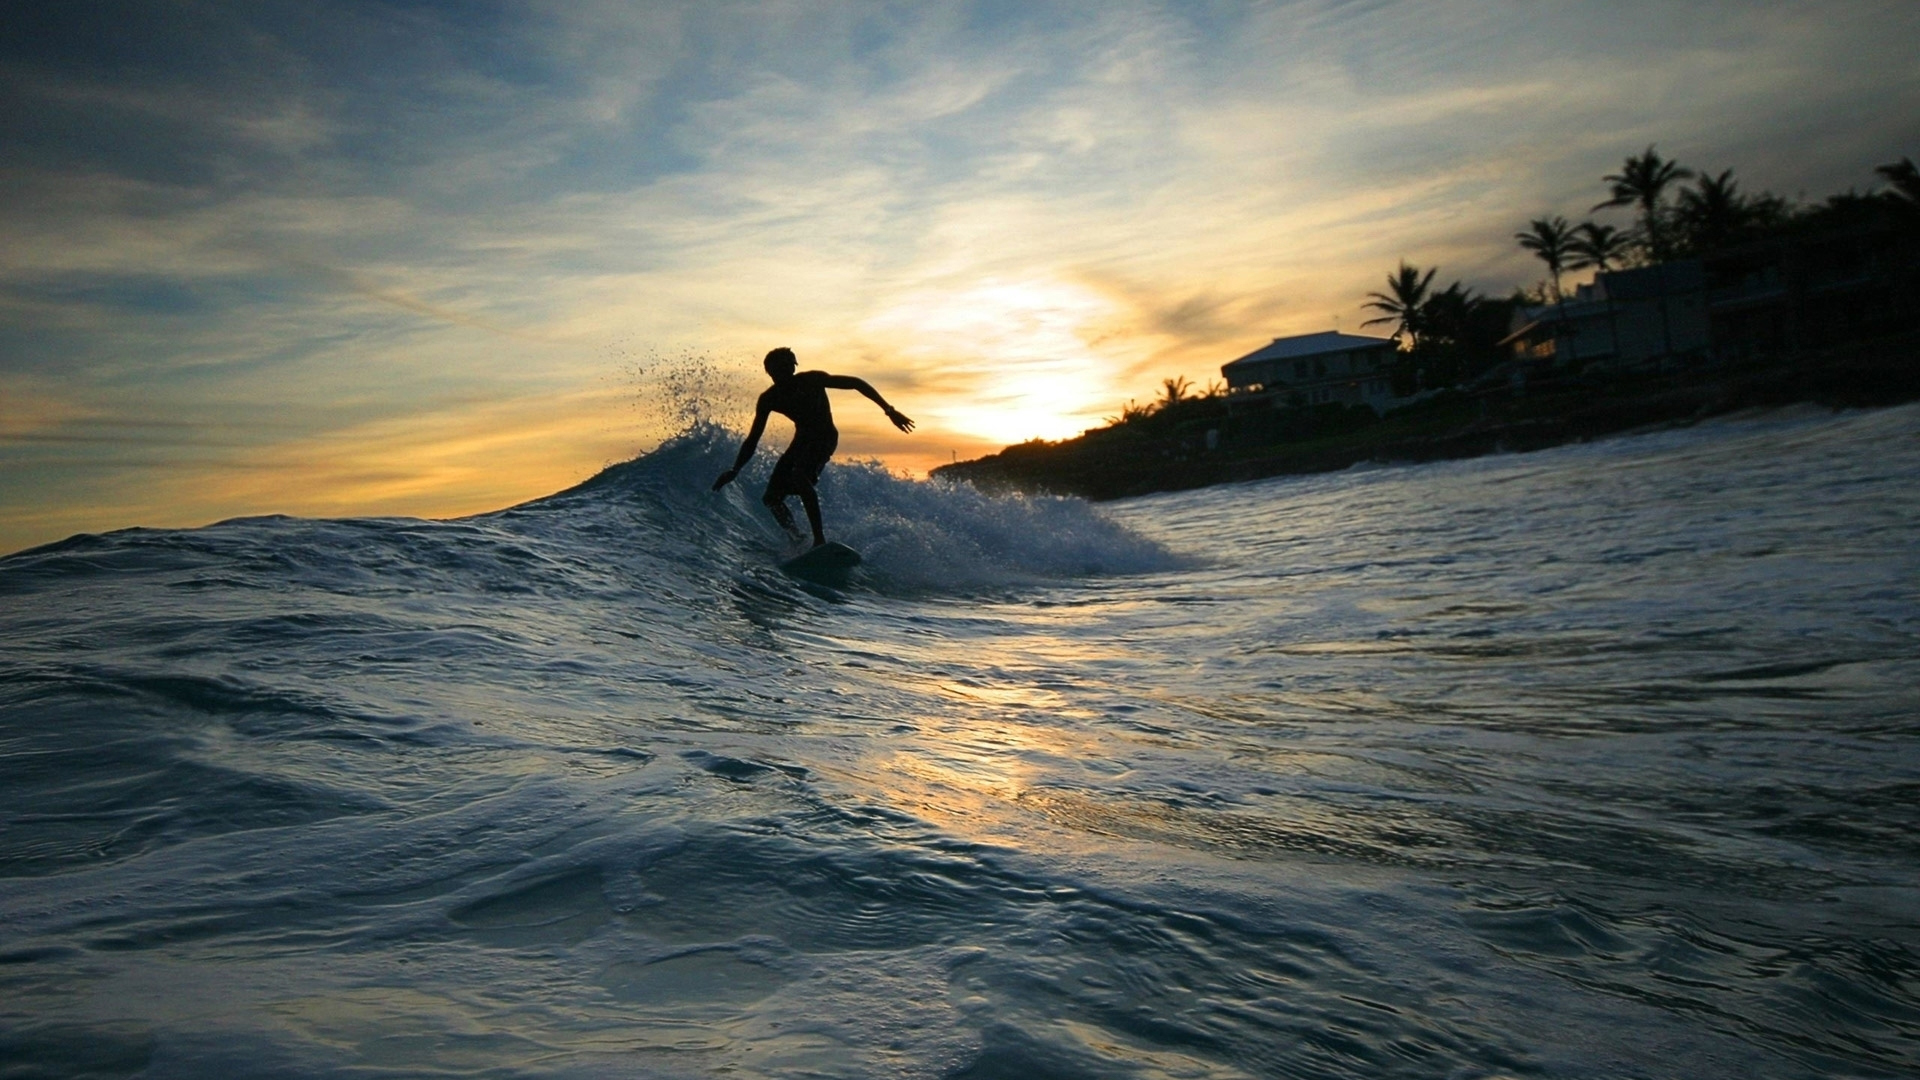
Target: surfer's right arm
{"points": [[746, 448]]}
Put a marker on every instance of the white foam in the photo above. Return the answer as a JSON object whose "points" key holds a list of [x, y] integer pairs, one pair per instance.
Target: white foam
{"points": [[914, 534]]}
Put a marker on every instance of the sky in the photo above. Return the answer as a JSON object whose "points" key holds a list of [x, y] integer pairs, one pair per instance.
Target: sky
{"points": [[435, 258]]}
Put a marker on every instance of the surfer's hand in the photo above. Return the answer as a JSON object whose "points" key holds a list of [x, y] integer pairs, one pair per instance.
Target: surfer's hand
{"points": [[900, 419], [725, 479]]}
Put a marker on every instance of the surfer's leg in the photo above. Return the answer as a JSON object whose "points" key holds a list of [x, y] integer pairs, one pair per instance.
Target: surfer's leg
{"points": [[782, 483], [819, 452], [811, 500]]}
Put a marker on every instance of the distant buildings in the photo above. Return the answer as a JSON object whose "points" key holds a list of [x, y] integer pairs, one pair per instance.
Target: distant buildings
{"points": [[1784, 296], [1625, 319], [1775, 297], [1314, 369], [1813, 289]]}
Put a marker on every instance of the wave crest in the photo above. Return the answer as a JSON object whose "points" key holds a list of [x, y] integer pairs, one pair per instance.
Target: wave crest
{"points": [[918, 535]]}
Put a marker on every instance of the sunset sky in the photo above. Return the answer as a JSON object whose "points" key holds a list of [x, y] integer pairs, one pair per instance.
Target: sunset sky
{"points": [[436, 258]]}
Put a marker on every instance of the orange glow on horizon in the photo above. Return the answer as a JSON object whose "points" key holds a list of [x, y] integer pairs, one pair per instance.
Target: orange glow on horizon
{"points": [[1014, 360]]}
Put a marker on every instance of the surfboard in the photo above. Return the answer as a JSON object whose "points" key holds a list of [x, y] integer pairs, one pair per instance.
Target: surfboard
{"points": [[831, 564]]}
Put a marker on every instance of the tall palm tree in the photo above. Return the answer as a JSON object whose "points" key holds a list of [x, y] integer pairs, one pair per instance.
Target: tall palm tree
{"points": [[1601, 247], [1550, 239], [1174, 390], [1402, 302], [1641, 182]]}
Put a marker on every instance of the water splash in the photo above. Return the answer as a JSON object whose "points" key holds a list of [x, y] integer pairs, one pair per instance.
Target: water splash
{"points": [[674, 391]]}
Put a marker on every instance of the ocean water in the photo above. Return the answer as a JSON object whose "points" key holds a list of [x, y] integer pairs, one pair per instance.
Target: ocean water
{"points": [[1601, 761]]}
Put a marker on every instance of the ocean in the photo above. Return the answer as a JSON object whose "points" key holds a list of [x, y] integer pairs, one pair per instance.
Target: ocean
{"points": [[1601, 761]]}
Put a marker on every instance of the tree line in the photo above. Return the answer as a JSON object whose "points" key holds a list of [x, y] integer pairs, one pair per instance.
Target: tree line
{"points": [[1452, 334]]}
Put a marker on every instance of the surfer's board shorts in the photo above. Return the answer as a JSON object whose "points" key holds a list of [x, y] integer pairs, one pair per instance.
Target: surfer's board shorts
{"points": [[800, 466]]}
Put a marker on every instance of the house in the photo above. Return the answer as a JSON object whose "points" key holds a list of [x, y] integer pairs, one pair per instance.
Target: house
{"points": [[1625, 319], [1811, 289], [1314, 369]]}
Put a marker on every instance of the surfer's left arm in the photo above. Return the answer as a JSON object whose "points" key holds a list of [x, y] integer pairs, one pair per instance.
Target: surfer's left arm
{"points": [[854, 382]]}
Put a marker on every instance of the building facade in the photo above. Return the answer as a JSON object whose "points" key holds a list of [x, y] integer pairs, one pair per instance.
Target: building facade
{"points": [[1625, 320], [1814, 289], [1782, 295], [1316, 369]]}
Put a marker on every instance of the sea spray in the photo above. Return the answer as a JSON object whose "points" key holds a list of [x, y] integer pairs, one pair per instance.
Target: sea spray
{"points": [[673, 391]]}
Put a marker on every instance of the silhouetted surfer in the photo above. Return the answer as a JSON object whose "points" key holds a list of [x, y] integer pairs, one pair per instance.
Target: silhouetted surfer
{"points": [[801, 396]]}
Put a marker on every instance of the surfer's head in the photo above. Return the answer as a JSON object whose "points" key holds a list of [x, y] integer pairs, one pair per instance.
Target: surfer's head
{"points": [[780, 363]]}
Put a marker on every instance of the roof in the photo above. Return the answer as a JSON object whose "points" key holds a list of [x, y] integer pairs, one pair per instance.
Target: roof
{"points": [[1304, 345], [1530, 327]]}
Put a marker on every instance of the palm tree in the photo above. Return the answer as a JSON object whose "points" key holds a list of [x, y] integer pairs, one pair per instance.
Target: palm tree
{"points": [[1174, 390], [1447, 320], [1640, 182], [1601, 247], [1711, 211], [1549, 238], [1445, 314], [1402, 302]]}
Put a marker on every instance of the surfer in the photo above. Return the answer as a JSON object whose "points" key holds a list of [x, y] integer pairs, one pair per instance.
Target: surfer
{"points": [[801, 396]]}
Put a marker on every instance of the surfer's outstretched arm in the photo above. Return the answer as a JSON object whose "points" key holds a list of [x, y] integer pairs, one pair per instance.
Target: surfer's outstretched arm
{"points": [[854, 382], [747, 446]]}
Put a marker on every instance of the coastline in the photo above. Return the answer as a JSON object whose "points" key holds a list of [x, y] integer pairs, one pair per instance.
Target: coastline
{"points": [[1168, 451]]}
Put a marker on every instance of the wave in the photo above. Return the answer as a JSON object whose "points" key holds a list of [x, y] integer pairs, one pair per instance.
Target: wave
{"points": [[653, 518], [915, 535]]}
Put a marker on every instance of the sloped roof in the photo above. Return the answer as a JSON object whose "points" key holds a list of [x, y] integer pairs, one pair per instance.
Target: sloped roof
{"points": [[1304, 345]]}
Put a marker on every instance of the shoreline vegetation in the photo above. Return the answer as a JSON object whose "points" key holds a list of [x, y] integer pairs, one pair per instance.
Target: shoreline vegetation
{"points": [[1805, 304], [1166, 451]]}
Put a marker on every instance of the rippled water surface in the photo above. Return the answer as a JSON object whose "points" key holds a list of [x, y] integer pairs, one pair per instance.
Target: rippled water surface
{"points": [[1602, 761]]}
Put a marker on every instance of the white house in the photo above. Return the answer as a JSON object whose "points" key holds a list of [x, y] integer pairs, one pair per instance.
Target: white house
{"points": [[1314, 369]]}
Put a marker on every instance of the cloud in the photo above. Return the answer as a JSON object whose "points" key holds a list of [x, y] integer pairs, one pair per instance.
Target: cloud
{"points": [[29, 410]]}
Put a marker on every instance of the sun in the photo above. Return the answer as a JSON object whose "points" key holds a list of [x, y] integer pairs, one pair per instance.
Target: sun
{"points": [[1016, 356]]}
